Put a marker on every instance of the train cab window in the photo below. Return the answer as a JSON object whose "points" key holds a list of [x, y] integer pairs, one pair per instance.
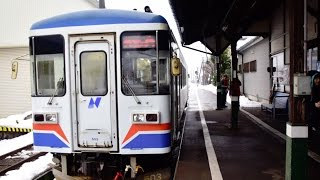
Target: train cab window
{"points": [[93, 67], [47, 65], [144, 62], [164, 76]]}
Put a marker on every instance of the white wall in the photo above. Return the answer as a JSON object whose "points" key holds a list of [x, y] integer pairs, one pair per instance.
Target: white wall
{"points": [[15, 96], [257, 84], [17, 16]]}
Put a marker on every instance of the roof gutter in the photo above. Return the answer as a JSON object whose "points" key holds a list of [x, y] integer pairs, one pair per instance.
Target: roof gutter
{"points": [[197, 50], [250, 43]]}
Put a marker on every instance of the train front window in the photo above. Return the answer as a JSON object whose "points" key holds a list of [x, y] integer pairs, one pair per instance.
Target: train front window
{"points": [[47, 65], [93, 67], [144, 62]]}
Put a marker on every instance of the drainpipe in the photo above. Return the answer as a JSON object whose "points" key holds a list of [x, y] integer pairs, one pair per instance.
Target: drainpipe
{"points": [[102, 4], [241, 70]]}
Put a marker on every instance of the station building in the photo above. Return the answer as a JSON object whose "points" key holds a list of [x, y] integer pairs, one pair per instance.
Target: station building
{"points": [[16, 18]]}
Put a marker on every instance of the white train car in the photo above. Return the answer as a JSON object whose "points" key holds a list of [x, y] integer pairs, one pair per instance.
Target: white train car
{"points": [[106, 84]]}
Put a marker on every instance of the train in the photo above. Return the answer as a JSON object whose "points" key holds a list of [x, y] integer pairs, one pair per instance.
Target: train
{"points": [[108, 89]]}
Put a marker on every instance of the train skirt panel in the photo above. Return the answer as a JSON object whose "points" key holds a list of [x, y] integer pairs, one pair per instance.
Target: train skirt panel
{"points": [[148, 136]]}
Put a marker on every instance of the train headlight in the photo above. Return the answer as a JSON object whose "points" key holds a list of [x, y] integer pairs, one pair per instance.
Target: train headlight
{"points": [[138, 118], [152, 117], [145, 117], [51, 117], [38, 117]]}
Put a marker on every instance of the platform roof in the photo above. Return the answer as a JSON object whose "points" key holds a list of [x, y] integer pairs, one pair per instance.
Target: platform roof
{"points": [[216, 23]]}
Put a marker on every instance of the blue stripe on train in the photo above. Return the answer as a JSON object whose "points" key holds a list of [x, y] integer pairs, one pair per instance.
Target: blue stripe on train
{"points": [[98, 17], [149, 141], [48, 139]]}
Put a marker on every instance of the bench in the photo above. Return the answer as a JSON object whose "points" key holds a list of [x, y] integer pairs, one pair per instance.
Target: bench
{"points": [[279, 106]]}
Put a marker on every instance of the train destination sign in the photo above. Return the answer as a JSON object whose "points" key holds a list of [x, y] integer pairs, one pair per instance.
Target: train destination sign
{"points": [[138, 41]]}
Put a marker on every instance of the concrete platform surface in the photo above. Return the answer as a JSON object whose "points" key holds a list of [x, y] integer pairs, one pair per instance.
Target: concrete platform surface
{"points": [[211, 150]]}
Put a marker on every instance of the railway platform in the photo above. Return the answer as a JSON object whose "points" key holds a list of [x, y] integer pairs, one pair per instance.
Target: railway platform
{"points": [[256, 150]]}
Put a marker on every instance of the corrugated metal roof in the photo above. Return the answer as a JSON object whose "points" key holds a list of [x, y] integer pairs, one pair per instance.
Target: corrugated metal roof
{"points": [[217, 23]]}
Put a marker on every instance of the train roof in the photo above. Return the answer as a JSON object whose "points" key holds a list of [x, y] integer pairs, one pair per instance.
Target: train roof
{"points": [[98, 17]]}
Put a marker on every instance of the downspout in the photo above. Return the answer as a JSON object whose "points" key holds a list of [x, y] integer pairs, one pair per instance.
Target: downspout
{"points": [[241, 70], [102, 4], [271, 66], [305, 27]]}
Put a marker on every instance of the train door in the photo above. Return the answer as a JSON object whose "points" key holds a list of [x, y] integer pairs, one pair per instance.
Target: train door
{"points": [[95, 97]]}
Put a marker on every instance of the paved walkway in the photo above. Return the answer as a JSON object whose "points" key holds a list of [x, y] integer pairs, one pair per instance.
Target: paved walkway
{"points": [[248, 153]]}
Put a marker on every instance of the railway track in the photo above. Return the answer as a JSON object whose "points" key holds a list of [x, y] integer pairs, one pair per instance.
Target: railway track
{"points": [[16, 158]]}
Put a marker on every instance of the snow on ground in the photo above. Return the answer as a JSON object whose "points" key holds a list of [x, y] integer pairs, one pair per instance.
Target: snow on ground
{"points": [[29, 170], [244, 101], [8, 145], [18, 120]]}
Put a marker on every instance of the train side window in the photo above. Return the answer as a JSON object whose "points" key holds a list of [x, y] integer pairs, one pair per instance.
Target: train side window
{"points": [[164, 76], [47, 65], [93, 67]]}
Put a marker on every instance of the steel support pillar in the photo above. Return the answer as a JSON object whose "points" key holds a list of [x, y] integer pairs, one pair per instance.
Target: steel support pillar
{"points": [[296, 152], [219, 90], [233, 89]]}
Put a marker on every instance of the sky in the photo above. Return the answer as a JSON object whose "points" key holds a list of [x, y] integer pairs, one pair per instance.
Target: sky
{"points": [[162, 7]]}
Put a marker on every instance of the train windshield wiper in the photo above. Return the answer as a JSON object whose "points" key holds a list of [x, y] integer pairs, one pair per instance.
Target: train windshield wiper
{"points": [[55, 92], [52, 96], [130, 90]]}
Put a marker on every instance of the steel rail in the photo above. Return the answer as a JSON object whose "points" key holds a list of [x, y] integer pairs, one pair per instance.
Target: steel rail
{"points": [[15, 151], [17, 164]]}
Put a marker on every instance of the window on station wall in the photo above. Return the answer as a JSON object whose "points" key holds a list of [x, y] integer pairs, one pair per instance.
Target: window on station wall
{"points": [[253, 66], [239, 69], [246, 67], [313, 62], [312, 23], [280, 77]]}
